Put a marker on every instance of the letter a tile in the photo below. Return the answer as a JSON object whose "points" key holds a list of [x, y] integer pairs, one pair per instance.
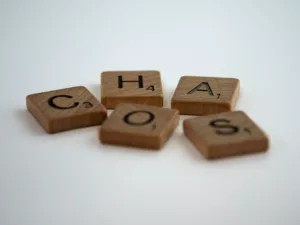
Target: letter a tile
{"points": [[225, 134], [66, 109], [205, 95], [139, 125], [140, 87]]}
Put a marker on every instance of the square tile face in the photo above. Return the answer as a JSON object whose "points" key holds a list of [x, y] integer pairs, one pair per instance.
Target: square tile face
{"points": [[66, 109], [205, 95], [140, 87], [225, 134], [139, 125]]}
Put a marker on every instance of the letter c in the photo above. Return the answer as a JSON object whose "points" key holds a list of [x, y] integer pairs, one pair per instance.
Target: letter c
{"points": [[52, 104]]}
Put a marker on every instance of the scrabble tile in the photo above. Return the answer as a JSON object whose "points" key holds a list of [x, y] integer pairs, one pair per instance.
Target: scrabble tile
{"points": [[66, 109], [225, 134], [205, 95], [139, 125], [139, 87]]}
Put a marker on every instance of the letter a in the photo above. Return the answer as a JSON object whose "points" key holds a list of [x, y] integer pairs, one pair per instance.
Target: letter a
{"points": [[198, 88]]}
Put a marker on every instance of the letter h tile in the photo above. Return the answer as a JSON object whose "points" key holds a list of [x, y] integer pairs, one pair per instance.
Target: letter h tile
{"points": [[140, 87]]}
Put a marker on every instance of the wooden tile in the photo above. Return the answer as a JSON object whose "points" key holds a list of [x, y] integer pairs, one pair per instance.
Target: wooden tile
{"points": [[225, 134], [205, 95], [140, 87], [139, 125], [66, 109]]}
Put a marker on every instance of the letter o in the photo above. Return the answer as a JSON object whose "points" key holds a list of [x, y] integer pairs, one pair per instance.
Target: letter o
{"points": [[149, 120]]}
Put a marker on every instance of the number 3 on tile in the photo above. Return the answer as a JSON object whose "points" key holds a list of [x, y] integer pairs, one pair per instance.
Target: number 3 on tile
{"points": [[151, 87]]}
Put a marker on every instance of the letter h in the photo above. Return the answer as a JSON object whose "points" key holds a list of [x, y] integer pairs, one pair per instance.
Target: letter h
{"points": [[121, 81]]}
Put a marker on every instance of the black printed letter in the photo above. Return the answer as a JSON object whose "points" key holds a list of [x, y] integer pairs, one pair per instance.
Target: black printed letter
{"points": [[149, 120], [224, 129], [52, 104], [121, 81], [197, 88]]}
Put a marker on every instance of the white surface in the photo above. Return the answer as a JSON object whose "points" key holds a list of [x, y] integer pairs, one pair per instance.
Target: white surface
{"points": [[70, 178]]}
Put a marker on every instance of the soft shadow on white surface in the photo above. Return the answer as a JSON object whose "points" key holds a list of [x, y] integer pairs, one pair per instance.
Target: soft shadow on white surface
{"points": [[240, 159], [182, 143], [239, 101], [95, 89], [168, 93], [29, 122], [116, 149]]}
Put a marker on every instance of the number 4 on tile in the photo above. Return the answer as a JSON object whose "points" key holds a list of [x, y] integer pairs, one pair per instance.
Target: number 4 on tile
{"points": [[151, 87]]}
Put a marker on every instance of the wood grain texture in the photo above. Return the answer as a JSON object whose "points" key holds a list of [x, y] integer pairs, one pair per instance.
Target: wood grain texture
{"points": [[140, 87], [225, 134], [66, 109], [139, 125], [205, 95]]}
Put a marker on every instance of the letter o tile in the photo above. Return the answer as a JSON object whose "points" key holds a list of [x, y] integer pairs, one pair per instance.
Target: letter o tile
{"points": [[139, 125]]}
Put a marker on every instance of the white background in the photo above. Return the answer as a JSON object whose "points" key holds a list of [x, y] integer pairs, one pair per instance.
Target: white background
{"points": [[70, 178]]}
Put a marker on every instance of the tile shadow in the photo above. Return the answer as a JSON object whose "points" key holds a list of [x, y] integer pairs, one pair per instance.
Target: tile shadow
{"points": [[168, 94], [95, 89], [29, 122]]}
